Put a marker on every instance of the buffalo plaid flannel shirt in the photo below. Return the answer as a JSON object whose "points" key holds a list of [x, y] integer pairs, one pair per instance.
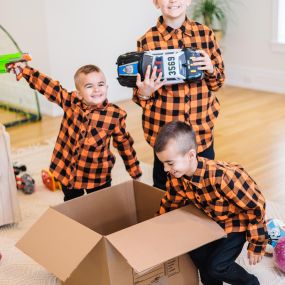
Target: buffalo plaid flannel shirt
{"points": [[227, 194], [193, 103], [82, 158]]}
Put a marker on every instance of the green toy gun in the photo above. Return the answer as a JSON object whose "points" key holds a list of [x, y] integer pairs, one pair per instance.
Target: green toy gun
{"points": [[10, 59]]}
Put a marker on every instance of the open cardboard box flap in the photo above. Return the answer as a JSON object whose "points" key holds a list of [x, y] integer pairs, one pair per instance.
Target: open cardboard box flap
{"points": [[157, 240], [58, 243]]}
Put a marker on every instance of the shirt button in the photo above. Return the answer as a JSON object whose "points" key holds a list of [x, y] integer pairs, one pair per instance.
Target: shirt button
{"points": [[187, 98]]}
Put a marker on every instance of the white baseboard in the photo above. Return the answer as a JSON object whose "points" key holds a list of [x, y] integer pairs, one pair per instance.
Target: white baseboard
{"points": [[253, 78]]}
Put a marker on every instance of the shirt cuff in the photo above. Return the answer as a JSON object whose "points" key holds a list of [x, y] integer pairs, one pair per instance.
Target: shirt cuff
{"points": [[256, 249]]}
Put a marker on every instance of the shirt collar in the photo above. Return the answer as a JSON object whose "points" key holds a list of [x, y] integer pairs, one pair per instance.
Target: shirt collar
{"points": [[198, 176], [167, 32]]}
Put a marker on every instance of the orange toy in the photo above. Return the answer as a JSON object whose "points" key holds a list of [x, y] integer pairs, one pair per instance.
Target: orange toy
{"points": [[50, 181]]}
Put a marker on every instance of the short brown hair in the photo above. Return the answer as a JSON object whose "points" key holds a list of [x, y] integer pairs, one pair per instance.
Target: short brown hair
{"points": [[86, 69], [179, 131]]}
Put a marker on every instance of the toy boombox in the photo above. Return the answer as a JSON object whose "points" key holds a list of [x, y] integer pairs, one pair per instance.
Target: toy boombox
{"points": [[175, 65]]}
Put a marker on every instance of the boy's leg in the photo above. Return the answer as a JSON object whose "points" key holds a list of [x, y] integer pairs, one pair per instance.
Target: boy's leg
{"points": [[200, 257], [70, 193], [221, 263], [208, 152], [158, 174], [106, 185]]}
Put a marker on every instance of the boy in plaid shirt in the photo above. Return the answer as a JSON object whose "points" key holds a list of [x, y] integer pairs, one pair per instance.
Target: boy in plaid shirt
{"points": [[82, 159], [224, 192], [194, 102]]}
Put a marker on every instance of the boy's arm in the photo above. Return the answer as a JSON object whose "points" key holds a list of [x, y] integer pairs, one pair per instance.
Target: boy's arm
{"points": [[244, 193], [171, 200], [124, 143], [51, 89], [216, 79]]}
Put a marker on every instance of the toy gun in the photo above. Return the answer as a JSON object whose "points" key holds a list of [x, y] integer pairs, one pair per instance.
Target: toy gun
{"points": [[10, 59]]}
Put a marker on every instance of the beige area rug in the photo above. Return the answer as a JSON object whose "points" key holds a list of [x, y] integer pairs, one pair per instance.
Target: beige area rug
{"points": [[18, 269]]}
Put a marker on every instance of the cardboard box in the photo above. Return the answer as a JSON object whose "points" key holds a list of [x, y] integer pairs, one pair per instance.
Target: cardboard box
{"points": [[111, 237]]}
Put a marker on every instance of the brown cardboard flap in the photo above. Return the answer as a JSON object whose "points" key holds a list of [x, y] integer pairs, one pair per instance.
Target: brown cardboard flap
{"points": [[159, 239], [58, 243]]}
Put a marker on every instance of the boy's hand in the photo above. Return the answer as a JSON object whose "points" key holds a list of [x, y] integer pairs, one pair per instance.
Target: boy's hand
{"points": [[253, 258], [204, 62], [16, 68], [150, 84]]}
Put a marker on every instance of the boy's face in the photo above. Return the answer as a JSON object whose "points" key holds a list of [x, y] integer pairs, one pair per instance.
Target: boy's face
{"points": [[175, 162], [172, 9], [92, 87]]}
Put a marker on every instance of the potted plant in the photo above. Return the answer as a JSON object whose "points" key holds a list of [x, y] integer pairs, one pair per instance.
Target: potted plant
{"points": [[212, 13]]}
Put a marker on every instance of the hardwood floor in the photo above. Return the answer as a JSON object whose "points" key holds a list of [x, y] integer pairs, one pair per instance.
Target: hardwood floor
{"points": [[250, 130]]}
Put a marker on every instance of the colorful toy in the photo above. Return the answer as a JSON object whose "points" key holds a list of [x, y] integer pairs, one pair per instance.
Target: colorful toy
{"points": [[24, 182], [276, 230], [50, 181], [279, 254], [8, 60], [175, 65]]}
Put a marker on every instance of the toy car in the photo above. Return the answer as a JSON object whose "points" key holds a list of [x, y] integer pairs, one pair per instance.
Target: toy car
{"points": [[50, 181], [24, 181], [175, 65]]}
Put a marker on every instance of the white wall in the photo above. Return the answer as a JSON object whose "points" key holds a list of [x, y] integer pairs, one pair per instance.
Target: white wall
{"points": [[63, 35], [247, 48]]}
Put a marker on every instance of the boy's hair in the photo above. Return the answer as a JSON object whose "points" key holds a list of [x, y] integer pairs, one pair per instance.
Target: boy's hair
{"points": [[86, 69], [181, 132]]}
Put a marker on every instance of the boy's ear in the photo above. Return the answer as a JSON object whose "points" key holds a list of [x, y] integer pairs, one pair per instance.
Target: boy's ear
{"points": [[192, 153], [78, 94], [155, 2], [188, 3]]}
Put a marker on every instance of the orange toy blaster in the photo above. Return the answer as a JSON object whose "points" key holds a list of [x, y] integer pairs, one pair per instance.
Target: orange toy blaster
{"points": [[10, 59]]}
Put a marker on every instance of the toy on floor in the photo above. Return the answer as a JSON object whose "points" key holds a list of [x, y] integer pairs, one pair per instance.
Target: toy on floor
{"points": [[276, 230], [175, 64], [279, 254], [24, 181], [50, 181]]}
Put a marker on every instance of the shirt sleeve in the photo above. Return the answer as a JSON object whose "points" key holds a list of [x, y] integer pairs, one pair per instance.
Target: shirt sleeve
{"points": [[172, 199], [216, 79], [51, 89], [243, 191], [123, 141]]}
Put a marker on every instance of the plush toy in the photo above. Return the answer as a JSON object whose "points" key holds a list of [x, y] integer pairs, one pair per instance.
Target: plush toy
{"points": [[174, 64]]}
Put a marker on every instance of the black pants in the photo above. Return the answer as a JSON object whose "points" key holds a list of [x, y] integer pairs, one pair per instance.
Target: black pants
{"points": [[216, 262], [160, 176], [70, 193]]}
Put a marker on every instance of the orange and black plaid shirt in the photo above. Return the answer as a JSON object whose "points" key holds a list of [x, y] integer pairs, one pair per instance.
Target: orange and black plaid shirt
{"points": [[82, 158], [227, 194], [193, 103]]}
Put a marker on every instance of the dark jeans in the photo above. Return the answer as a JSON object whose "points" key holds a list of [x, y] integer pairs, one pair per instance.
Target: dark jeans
{"points": [[160, 176], [70, 193], [216, 262]]}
